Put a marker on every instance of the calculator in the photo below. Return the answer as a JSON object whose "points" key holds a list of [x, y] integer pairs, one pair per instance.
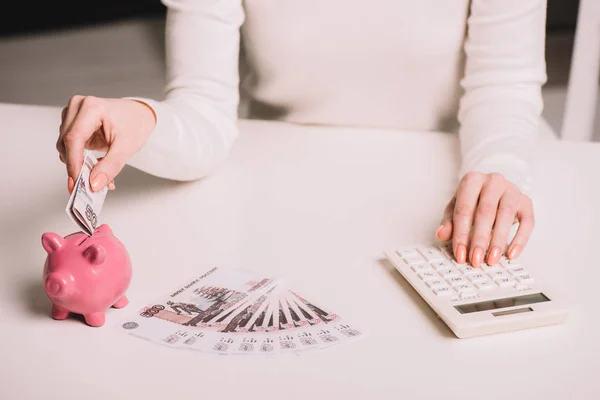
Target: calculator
{"points": [[477, 301]]}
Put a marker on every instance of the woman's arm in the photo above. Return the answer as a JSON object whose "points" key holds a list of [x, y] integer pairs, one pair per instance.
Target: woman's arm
{"points": [[505, 70], [499, 115], [187, 134], [197, 120]]}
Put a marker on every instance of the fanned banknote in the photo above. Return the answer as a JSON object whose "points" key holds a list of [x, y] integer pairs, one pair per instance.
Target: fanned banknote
{"points": [[233, 311]]}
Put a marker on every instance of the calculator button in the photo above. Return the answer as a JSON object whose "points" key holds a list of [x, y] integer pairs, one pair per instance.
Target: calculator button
{"points": [[467, 295], [497, 274], [445, 246], [518, 271], [486, 285], [505, 282], [430, 253], [477, 277], [447, 251], [465, 288], [441, 264], [436, 283], [489, 268], [428, 275], [468, 270], [522, 286], [443, 291], [509, 264], [449, 273], [420, 267], [407, 253], [413, 259], [528, 279], [457, 280]]}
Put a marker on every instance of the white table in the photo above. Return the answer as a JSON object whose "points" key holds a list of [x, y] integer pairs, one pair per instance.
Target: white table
{"points": [[317, 205]]}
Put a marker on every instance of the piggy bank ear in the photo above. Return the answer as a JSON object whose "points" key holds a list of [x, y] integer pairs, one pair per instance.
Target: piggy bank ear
{"points": [[52, 242], [104, 229], [95, 253]]}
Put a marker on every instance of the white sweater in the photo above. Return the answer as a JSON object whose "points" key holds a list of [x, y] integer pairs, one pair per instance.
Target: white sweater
{"points": [[476, 66]]}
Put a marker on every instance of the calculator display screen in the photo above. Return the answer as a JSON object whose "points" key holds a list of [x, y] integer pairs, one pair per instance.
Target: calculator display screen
{"points": [[502, 303]]}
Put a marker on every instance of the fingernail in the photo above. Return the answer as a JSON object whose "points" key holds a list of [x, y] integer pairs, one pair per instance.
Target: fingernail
{"points": [[70, 184], [514, 251], [437, 233], [461, 253], [477, 256], [494, 255], [99, 181], [111, 186]]}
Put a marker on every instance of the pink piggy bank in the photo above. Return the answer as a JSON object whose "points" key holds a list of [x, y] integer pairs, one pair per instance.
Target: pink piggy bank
{"points": [[86, 274]]}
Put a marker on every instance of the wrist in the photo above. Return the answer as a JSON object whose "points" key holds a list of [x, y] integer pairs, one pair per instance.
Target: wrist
{"points": [[149, 113], [512, 168]]}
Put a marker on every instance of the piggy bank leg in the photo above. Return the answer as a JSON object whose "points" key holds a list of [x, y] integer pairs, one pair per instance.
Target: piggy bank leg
{"points": [[122, 302], [59, 312], [95, 319]]}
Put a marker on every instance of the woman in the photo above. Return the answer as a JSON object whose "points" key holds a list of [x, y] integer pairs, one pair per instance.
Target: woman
{"points": [[403, 64]]}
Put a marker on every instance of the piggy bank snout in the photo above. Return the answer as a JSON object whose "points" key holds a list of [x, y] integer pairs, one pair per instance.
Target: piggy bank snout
{"points": [[57, 285]]}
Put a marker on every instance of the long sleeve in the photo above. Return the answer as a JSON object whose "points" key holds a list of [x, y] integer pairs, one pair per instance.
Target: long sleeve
{"points": [[505, 70], [197, 120]]}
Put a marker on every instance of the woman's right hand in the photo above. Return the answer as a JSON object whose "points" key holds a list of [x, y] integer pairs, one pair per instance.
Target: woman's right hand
{"points": [[119, 127]]}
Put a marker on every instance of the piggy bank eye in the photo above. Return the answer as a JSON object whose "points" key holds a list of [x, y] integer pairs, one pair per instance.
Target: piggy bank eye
{"points": [[95, 253]]}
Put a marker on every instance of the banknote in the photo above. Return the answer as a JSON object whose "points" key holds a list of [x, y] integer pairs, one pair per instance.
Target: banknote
{"points": [[238, 312], [324, 315], [268, 324], [211, 300], [84, 206]]}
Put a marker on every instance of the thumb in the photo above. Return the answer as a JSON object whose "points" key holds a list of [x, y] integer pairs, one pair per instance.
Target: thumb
{"points": [[444, 231], [107, 168]]}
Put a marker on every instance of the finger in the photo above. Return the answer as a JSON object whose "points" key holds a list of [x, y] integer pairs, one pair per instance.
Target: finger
{"points": [[111, 184], [74, 148], [108, 167], [444, 231], [87, 121], [526, 224], [507, 209], [485, 215], [462, 217], [68, 115], [70, 185]]}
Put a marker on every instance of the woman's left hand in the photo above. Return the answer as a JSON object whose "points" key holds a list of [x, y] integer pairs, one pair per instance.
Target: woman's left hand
{"points": [[489, 204]]}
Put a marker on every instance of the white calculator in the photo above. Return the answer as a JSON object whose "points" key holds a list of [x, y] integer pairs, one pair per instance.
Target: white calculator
{"points": [[477, 301]]}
